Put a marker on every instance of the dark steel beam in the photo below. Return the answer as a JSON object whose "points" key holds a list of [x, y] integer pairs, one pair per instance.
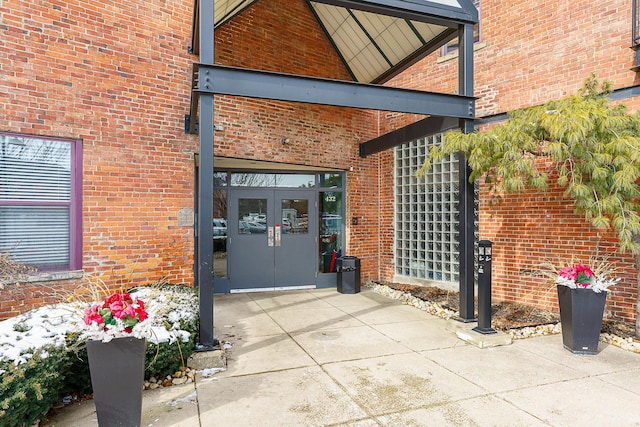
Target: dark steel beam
{"points": [[624, 93], [205, 189], [420, 129], [466, 225], [195, 29], [287, 87], [414, 11], [193, 104]]}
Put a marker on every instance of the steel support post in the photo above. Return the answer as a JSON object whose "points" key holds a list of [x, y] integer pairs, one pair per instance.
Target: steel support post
{"points": [[466, 224], [205, 195]]}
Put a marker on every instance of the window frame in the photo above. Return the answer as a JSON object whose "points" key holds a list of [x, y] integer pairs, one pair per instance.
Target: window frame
{"points": [[635, 24], [451, 47], [74, 203]]}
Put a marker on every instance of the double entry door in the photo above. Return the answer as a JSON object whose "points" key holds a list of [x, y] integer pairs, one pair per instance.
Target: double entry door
{"points": [[271, 238]]}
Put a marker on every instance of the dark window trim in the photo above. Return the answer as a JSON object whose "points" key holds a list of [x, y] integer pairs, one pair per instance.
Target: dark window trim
{"points": [[75, 205], [635, 24]]}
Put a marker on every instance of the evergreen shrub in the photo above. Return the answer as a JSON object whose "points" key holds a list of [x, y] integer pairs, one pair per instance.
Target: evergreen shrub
{"points": [[28, 390]]}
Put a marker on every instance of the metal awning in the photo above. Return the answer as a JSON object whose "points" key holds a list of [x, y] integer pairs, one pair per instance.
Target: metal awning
{"points": [[375, 40]]}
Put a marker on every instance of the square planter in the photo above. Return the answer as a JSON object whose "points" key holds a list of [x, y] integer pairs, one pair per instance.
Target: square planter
{"points": [[117, 377], [581, 313]]}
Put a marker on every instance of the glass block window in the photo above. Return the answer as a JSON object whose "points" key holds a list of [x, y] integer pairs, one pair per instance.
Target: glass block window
{"points": [[426, 209]]}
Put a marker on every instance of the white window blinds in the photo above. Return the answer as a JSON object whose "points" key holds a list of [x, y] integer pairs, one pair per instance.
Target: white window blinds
{"points": [[35, 200]]}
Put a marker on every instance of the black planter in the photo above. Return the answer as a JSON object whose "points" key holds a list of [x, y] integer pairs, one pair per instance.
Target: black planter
{"points": [[581, 313], [117, 377]]}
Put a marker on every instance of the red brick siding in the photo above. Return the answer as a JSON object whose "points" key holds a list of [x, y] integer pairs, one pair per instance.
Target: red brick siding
{"points": [[262, 37], [535, 51], [115, 75], [17, 299], [118, 76]]}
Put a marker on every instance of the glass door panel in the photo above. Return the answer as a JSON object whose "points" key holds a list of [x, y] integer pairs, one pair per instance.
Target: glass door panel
{"points": [[331, 239], [220, 233]]}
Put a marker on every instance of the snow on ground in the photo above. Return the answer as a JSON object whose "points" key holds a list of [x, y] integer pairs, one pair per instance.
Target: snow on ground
{"points": [[22, 335]]}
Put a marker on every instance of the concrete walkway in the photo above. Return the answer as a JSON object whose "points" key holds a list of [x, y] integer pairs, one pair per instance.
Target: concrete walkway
{"points": [[321, 358]]}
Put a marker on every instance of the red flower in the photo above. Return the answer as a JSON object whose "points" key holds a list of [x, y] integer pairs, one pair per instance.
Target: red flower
{"points": [[142, 314], [117, 309], [119, 305], [568, 273], [581, 274], [92, 314]]}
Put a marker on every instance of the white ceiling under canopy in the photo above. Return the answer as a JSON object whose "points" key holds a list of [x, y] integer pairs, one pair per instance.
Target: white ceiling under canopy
{"points": [[375, 39]]}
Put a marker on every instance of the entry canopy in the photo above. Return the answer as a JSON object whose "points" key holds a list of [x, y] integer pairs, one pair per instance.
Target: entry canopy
{"points": [[376, 40]]}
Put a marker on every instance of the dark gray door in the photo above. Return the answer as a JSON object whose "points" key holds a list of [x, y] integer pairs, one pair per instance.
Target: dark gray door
{"points": [[295, 256], [272, 236], [250, 256]]}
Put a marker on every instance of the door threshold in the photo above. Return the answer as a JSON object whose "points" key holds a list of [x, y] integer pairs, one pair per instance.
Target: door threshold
{"points": [[277, 288]]}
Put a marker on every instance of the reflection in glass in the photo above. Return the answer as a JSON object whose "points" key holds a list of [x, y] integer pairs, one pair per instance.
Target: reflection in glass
{"points": [[220, 179], [330, 204], [252, 180], [295, 216], [252, 216], [331, 180], [220, 233], [273, 180], [295, 181]]}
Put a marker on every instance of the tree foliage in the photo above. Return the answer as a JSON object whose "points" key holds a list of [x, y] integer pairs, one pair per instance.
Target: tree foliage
{"points": [[591, 144]]}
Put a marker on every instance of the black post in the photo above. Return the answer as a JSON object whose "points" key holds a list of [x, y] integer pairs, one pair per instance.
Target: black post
{"points": [[484, 288], [466, 201], [205, 194]]}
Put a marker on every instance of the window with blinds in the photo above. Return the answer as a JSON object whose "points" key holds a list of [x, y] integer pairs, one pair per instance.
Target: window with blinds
{"points": [[40, 201]]}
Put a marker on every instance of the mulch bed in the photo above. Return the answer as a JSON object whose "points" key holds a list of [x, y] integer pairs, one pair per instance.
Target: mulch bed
{"points": [[505, 315]]}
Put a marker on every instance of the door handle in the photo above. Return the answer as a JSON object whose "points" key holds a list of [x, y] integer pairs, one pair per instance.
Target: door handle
{"points": [[278, 235], [270, 236]]}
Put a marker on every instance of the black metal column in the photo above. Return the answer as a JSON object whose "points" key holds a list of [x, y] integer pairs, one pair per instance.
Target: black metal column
{"points": [[205, 191], [466, 201], [484, 288]]}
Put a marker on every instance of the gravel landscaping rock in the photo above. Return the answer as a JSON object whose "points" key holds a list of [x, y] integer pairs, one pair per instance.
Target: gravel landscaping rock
{"points": [[407, 295]]}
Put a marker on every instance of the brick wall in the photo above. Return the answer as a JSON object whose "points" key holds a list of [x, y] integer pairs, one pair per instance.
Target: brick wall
{"points": [[17, 298], [531, 52], [262, 37], [118, 76]]}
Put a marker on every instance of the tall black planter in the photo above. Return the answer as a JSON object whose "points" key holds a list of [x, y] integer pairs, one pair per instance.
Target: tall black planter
{"points": [[117, 377], [581, 313]]}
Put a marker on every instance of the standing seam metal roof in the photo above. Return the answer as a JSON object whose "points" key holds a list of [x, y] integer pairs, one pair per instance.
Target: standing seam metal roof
{"points": [[375, 39]]}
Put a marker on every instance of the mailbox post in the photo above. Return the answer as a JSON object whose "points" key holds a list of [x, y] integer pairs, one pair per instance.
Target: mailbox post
{"points": [[484, 288]]}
